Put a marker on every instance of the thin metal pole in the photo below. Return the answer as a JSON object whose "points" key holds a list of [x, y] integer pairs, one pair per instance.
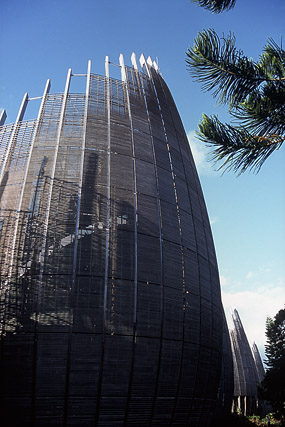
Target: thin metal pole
{"points": [[135, 193], [3, 117], [88, 77], [144, 65], [80, 181], [40, 113], [108, 181], [134, 61], [158, 203], [23, 107], [23, 183], [100, 378], [13, 137], [44, 236], [10, 149], [135, 199], [52, 175]]}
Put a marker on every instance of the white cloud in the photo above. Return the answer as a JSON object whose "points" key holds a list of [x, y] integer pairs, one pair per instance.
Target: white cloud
{"points": [[253, 308], [200, 154], [258, 275]]}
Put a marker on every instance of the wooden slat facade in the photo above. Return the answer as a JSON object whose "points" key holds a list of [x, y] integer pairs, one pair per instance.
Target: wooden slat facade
{"points": [[111, 311]]}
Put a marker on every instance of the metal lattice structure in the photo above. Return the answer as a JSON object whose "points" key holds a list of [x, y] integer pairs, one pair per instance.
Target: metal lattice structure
{"points": [[111, 311]]}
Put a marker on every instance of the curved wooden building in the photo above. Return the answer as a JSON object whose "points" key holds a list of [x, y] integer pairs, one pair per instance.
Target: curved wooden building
{"points": [[246, 376], [111, 311]]}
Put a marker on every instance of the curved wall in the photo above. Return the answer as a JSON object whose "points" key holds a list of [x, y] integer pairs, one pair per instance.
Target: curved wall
{"points": [[245, 370], [110, 300]]}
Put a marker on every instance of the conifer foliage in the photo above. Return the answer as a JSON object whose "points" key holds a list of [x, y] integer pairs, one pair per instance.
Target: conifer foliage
{"points": [[254, 93], [273, 386], [216, 6]]}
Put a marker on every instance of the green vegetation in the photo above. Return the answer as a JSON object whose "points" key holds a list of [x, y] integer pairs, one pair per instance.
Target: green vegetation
{"points": [[264, 421], [273, 386], [238, 420], [216, 6], [254, 93]]}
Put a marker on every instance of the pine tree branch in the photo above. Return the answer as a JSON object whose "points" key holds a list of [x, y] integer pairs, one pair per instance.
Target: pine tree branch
{"points": [[273, 60], [254, 92], [263, 111], [216, 6], [237, 148], [225, 70]]}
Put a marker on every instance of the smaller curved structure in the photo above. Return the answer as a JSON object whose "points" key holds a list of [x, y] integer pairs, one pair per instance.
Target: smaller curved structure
{"points": [[258, 363], [247, 370]]}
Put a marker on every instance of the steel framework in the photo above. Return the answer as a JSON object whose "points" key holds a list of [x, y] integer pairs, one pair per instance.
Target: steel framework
{"points": [[111, 311]]}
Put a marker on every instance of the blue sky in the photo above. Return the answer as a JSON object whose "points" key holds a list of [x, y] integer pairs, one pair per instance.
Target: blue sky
{"points": [[41, 39]]}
